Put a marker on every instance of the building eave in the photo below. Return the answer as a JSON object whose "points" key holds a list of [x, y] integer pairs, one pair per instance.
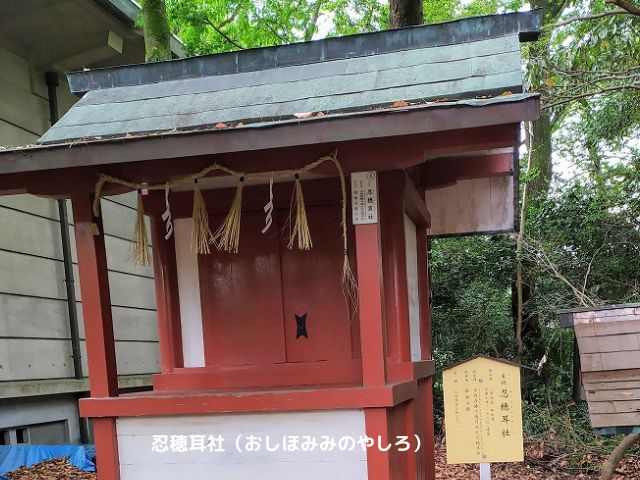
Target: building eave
{"points": [[329, 129]]}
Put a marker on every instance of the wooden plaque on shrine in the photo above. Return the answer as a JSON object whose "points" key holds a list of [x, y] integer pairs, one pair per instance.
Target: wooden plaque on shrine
{"points": [[483, 412]]}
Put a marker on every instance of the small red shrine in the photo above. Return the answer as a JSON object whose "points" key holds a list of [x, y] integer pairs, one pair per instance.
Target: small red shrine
{"points": [[291, 192]]}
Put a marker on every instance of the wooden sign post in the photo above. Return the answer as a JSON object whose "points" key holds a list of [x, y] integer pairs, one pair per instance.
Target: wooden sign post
{"points": [[483, 413], [485, 471]]}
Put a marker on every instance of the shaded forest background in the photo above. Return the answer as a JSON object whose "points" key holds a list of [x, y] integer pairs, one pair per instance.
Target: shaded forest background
{"points": [[578, 241]]}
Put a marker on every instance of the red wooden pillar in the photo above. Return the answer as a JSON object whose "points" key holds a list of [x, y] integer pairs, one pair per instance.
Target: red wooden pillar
{"points": [[98, 326], [168, 301], [371, 301], [392, 191], [378, 461], [373, 341], [427, 354]]}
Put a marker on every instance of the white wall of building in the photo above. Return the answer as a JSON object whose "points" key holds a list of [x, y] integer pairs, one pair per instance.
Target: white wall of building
{"points": [[189, 293], [34, 325], [411, 248], [139, 460]]}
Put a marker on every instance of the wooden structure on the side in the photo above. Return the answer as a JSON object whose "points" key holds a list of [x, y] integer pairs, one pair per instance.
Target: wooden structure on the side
{"points": [[608, 340], [260, 341]]}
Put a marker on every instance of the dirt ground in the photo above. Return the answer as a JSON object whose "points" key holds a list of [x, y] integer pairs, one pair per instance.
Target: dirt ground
{"points": [[538, 465]]}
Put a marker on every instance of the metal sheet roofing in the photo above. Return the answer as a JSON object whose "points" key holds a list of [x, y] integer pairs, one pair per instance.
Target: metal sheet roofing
{"points": [[457, 61]]}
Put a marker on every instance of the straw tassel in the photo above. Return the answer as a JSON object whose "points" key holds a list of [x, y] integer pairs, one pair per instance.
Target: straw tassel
{"points": [[301, 223], [139, 252], [201, 235], [349, 282], [349, 286], [227, 237]]}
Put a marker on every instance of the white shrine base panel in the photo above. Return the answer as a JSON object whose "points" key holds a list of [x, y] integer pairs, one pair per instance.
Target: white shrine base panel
{"points": [[141, 460]]}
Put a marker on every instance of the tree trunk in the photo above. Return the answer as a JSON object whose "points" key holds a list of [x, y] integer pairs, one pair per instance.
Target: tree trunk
{"points": [[540, 130], [541, 161], [404, 13], [610, 465], [537, 188], [157, 36]]}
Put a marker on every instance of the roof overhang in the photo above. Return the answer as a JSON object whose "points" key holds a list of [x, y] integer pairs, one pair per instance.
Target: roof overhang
{"points": [[47, 33], [329, 131]]}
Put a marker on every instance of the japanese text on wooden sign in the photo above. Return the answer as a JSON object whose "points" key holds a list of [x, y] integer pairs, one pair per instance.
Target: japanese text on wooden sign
{"points": [[364, 197], [483, 412]]}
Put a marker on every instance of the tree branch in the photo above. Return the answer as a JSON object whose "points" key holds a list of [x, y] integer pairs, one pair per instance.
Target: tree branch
{"points": [[591, 94], [311, 26], [224, 35], [617, 11], [625, 5], [273, 30], [540, 257], [609, 467]]}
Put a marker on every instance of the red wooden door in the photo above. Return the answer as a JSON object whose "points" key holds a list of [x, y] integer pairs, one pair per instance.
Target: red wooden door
{"points": [[241, 297], [311, 285], [250, 299]]}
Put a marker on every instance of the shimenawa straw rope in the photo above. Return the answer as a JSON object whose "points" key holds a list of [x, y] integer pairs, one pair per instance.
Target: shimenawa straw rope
{"points": [[227, 237]]}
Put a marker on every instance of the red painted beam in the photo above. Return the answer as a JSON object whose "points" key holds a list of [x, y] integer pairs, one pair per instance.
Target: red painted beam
{"points": [[283, 375], [445, 171], [380, 154], [323, 191], [195, 403], [415, 205], [408, 371], [371, 154]]}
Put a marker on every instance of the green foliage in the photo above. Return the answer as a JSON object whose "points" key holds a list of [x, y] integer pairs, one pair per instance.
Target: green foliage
{"points": [[471, 280], [589, 231], [213, 26], [591, 70], [444, 10]]}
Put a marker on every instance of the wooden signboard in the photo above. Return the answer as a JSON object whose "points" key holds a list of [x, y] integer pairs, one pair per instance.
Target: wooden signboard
{"points": [[483, 412], [364, 197]]}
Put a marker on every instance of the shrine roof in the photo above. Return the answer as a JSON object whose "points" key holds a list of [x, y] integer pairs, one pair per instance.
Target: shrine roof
{"points": [[460, 60], [445, 77]]}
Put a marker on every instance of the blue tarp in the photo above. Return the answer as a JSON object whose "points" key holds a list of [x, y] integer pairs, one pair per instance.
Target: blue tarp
{"points": [[15, 456]]}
